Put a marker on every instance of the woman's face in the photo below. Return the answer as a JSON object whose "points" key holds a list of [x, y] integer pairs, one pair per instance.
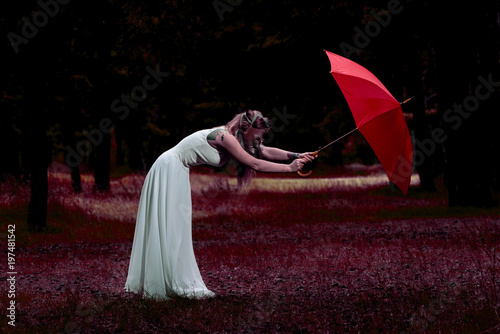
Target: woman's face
{"points": [[253, 137]]}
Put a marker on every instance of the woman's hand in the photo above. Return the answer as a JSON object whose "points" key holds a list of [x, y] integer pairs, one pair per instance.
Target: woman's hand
{"points": [[297, 164], [302, 160], [308, 155]]}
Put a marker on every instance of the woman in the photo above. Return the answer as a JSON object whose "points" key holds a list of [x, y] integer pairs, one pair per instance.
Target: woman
{"points": [[162, 263]]}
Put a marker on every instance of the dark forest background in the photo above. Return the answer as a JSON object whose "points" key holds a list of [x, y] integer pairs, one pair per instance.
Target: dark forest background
{"points": [[156, 71]]}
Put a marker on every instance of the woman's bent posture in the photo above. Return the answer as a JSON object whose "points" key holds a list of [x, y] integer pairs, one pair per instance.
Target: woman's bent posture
{"points": [[162, 263]]}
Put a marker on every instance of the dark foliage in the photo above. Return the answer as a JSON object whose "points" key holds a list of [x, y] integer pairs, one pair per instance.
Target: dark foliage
{"points": [[77, 83]]}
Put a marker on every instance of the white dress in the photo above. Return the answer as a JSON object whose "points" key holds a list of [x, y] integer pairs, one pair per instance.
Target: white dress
{"points": [[162, 262]]}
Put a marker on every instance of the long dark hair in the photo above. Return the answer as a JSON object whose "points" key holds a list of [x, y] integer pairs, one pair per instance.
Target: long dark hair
{"points": [[240, 123]]}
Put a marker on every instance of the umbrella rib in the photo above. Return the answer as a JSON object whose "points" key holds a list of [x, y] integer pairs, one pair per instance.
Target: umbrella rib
{"points": [[365, 80]]}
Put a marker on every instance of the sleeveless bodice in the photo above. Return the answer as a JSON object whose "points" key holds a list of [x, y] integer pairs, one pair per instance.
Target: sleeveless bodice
{"points": [[195, 150]]}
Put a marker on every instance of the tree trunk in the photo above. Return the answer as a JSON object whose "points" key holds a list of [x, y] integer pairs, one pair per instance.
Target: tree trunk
{"points": [[37, 210], [70, 141], [9, 164], [102, 164], [463, 54], [38, 155], [423, 165]]}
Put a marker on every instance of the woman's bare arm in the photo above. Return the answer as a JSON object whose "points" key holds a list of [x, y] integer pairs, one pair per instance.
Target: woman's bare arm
{"points": [[231, 144], [277, 154]]}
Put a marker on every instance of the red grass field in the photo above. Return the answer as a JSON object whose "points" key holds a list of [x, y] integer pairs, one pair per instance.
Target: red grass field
{"points": [[322, 255]]}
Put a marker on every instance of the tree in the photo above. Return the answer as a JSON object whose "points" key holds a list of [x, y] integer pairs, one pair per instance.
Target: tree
{"points": [[466, 43], [36, 100]]}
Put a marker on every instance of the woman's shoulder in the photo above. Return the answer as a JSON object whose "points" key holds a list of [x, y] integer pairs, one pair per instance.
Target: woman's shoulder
{"points": [[217, 132]]}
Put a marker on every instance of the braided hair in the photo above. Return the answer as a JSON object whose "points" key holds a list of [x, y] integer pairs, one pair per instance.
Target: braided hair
{"points": [[239, 125]]}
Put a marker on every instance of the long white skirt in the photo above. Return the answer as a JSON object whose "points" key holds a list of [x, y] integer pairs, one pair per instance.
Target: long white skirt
{"points": [[162, 262]]}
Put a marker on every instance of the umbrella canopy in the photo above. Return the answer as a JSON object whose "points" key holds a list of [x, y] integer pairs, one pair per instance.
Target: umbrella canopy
{"points": [[378, 116]]}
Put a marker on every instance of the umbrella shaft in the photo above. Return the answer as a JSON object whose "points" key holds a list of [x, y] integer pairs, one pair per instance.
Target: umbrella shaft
{"points": [[336, 140]]}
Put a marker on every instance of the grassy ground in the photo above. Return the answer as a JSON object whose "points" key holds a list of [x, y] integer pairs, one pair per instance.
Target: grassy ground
{"points": [[339, 255]]}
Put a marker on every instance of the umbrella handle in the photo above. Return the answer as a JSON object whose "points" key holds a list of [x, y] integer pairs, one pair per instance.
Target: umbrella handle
{"points": [[299, 173], [304, 174]]}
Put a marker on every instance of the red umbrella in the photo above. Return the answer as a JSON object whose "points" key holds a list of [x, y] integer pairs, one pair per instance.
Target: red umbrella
{"points": [[378, 116]]}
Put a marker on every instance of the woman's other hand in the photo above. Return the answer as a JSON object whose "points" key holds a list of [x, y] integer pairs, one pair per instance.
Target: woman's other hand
{"points": [[297, 164], [310, 156]]}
